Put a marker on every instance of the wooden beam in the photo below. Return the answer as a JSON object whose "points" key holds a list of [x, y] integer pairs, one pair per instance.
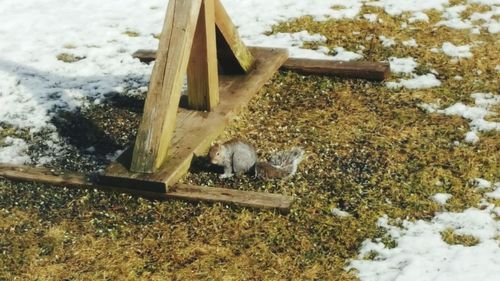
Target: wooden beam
{"points": [[160, 109], [196, 130], [375, 71], [202, 73], [180, 191], [234, 57]]}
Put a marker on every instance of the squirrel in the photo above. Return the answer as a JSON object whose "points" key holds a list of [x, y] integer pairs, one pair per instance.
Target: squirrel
{"points": [[235, 155], [239, 156], [283, 164]]}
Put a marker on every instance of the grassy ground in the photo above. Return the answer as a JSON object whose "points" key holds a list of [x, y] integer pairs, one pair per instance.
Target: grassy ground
{"points": [[370, 151]]}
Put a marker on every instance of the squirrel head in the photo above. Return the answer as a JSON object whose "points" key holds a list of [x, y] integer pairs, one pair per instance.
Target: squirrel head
{"points": [[217, 154]]}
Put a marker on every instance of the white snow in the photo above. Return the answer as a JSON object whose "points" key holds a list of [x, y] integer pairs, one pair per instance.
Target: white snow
{"points": [[417, 82], [402, 65], [453, 19], [495, 194], [370, 17], [421, 253], [429, 107], [340, 213], [386, 41], [441, 198], [418, 16], [456, 51], [14, 151], [471, 137], [343, 55], [482, 183], [476, 114], [296, 41], [410, 43], [397, 7]]}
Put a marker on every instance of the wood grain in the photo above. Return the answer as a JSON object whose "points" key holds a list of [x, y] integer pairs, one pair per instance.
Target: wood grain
{"points": [[234, 57], [180, 191], [374, 71], [196, 130], [160, 109], [202, 73]]}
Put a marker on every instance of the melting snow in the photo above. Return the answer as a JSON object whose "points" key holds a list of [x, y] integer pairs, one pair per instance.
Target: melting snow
{"points": [[402, 65], [441, 198], [421, 253], [417, 82], [456, 51]]}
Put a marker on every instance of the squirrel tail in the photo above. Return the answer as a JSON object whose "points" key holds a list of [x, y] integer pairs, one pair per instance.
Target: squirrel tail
{"points": [[283, 164]]}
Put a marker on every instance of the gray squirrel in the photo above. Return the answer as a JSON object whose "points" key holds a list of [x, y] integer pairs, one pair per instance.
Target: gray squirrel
{"points": [[239, 156]]}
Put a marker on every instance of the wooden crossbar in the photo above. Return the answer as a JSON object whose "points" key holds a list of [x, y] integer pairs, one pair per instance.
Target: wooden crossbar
{"points": [[374, 71]]}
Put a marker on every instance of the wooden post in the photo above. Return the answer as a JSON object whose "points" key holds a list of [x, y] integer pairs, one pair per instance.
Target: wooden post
{"points": [[233, 55], [160, 109], [203, 85]]}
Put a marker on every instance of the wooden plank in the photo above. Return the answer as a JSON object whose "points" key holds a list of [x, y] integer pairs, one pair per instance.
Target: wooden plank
{"points": [[179, 191], [234, 57], [202, 73], [242, 198], [376, 71], [160, 109], [196, 130]]}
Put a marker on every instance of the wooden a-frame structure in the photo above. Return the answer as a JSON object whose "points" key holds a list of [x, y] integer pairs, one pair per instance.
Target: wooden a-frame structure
{"points": [[198, 40], [198, 37]]}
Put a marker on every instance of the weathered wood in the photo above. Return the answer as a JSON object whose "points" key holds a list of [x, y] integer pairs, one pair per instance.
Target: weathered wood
{"points": [[234, 57], [196, 130], [179, 191], [160, 109], [242, 198], [375, 71], [202, 73], [42, 175]]}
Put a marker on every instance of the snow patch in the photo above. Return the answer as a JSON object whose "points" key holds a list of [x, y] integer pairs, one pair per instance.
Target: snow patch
{"points": [[495, 194], [14, 151], [417, 82], [418, 16], [441, 198], [343, 55], [386, 41], [481, 183], [456, 51], [339, 213], [397, 7], [410, 43], [471, 137], [370, 17], [402, 65], [421, 253]]}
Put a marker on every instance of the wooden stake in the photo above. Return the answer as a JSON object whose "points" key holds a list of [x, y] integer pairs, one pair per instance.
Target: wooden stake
{"points": [[203, 85], [162, 102], [234, 56]]}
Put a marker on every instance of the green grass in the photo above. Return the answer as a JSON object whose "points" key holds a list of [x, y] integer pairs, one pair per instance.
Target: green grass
{"points": [[370, 151]]}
